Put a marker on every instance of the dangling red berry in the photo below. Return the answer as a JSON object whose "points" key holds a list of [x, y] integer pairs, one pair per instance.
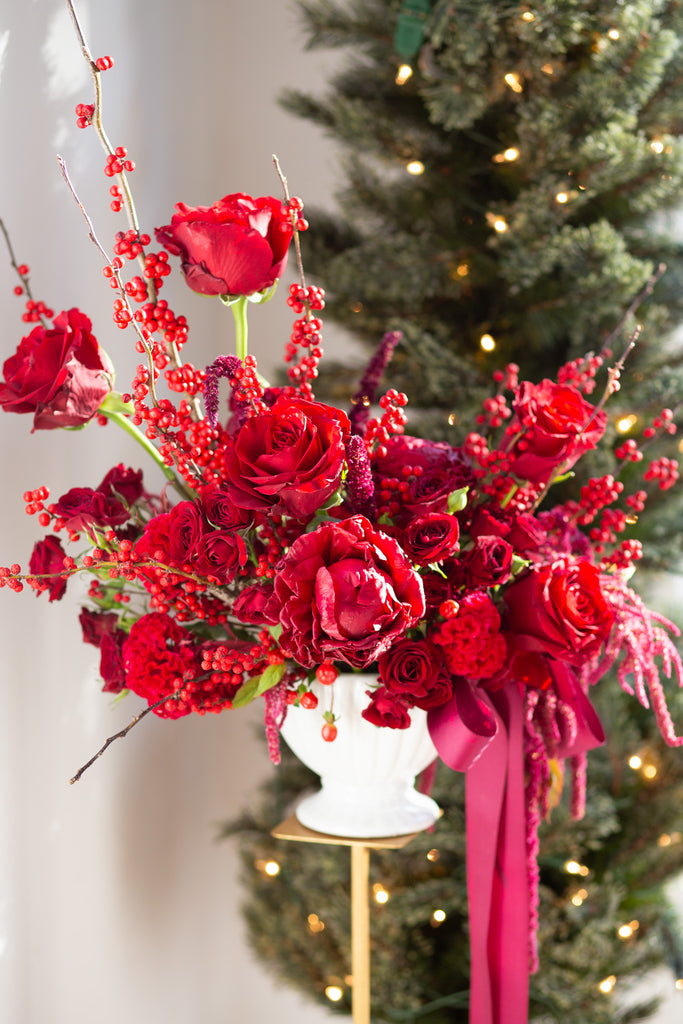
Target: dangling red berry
{"points": [[326, 673]]}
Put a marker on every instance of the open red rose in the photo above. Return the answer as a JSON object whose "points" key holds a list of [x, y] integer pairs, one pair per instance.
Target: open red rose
{"points": [[221, 554], [236, 246], [559, 610], [344, 592], [61, 374], [558, 425], [488, 563], [82, 508], [291, 457]]}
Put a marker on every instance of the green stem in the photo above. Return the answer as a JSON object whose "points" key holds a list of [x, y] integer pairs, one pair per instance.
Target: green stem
{"points": [[122, 421], [239, 311]]}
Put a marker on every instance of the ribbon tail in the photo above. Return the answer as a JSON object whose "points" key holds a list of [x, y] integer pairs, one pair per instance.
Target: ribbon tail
{"points": [[497, 871]]}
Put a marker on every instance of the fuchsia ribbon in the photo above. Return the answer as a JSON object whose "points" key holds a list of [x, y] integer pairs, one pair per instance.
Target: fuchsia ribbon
{"points": [[483, 734]]}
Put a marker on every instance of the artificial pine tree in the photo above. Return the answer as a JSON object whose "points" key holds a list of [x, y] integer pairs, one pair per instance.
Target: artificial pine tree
{"points": [[512, 187]]}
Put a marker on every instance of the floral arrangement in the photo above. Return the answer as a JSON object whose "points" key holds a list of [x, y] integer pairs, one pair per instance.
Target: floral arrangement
{"points": [[293, 539]]}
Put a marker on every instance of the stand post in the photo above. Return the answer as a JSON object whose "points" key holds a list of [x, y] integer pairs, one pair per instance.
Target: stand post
{"points": [[360, 933]]}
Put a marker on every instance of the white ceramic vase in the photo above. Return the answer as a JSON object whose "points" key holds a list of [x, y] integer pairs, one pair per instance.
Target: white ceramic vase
{"points": [[367, 773]]}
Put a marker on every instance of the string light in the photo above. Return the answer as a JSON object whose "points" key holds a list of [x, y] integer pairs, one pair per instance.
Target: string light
{"points": [[626, 423], [649, 771], [497, 222], [607, 984], [625, 931], [357, 307], [528, 16], [635, 762], [415, 167], [315, 925], [487, 343], [657, 146], [403, 74], [268, 867], [579, 897], [613, 33], [434, 855], [561, 198], [507, 156], [512, 80], [381, 894], [438, 917], [548, 69], [572, 867], [334, 993], [678, 983]]}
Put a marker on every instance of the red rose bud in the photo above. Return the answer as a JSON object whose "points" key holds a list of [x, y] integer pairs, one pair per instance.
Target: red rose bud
{"points": [[552, 418], [237, 246], [488, 563], [559, 610], [290, 457], [61, 374]]}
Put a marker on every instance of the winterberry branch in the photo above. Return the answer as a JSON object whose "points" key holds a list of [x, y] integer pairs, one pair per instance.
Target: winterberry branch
{"points": [[639, 299], [17, 267], [122, 732]]}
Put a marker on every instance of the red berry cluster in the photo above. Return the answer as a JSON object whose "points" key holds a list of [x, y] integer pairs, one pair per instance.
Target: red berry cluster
{"points": [[596, 495], [156, 268], [117, 162], [246, 386], [159, 317], [306, 334], [581, 372], [392, 421], [391, 488], [130, 244], [295, 206], [84, 113], [664, 471], [494, 412], [35, 311], [507, 378]]}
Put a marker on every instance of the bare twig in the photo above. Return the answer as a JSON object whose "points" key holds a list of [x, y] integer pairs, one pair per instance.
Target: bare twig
{"points": [[640, 297], [123, 732]]}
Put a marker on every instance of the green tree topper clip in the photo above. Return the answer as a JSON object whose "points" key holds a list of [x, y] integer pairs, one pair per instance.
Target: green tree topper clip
{"points": [[410, 27]]}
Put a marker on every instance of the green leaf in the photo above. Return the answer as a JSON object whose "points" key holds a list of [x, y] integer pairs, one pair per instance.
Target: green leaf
{"points": [[257, 686], [457, 500]]}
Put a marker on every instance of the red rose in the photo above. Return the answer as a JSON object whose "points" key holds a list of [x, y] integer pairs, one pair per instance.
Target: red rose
{"points": [[153, 545], [111, 661], [552, 418], [290, 457], [439, 692], [344, 592], [560, 610], [237, 246], [386, 709], [251, 605], [431, 538], [221, 554], [95, 624], [221, 511], [488, 562], [47, 559], [410, 668], [60, 374], [438, 469], [185, 530]]}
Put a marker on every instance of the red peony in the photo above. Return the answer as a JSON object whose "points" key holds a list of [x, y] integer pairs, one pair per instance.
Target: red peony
{"points": [[558, 426], [290, 457], [560, 610], [344, 592], [237, 246], [61, 374], [471, 641], [47, 559], [437, 470]]}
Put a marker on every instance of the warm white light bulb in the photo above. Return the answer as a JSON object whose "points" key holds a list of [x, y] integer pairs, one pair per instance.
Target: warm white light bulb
{"points": [[487, 343], [403, 74], [513, 81], [334, 993], [607, 984], [415, 167], [272, 868]]}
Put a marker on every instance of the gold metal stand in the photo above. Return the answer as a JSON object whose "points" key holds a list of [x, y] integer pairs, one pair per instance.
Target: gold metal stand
{"points": [[360, 900]]}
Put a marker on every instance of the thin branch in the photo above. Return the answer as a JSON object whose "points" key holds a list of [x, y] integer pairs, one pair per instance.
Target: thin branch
{"points": [[640, 297], [123, 732], [13, 262]]}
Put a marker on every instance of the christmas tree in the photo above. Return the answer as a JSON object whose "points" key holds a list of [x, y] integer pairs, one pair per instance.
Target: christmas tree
{"points": [[506, 168]]}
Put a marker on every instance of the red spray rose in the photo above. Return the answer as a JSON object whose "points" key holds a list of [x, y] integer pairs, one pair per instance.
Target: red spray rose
{"points": [[386, 709], [82, 507], [431, 538], [237, 246], [552, 418], [124, 483], [344, 592], [559, 610], [221, 554], [61, 374], [48, 558], [488, 563], [221, 511], [185, 530], [291, 457], [410, 668]]}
